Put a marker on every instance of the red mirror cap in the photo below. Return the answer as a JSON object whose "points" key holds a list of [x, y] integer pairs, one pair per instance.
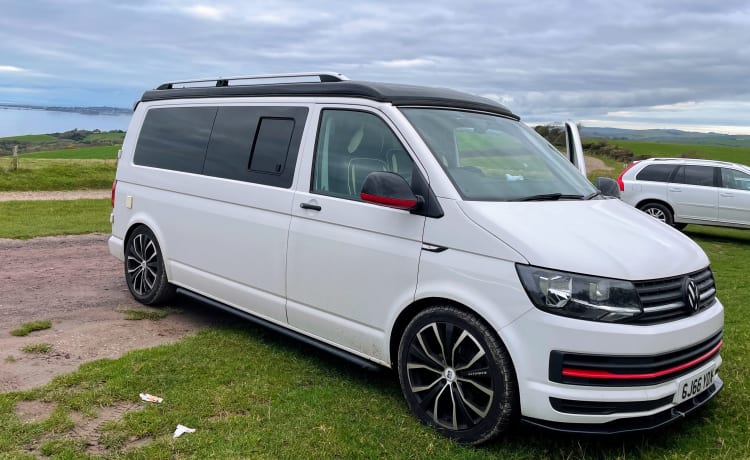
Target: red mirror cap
{"points": [[389, 201]]}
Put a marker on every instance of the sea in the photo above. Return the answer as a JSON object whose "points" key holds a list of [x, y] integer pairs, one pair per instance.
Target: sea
{"points": [[19, 122]]}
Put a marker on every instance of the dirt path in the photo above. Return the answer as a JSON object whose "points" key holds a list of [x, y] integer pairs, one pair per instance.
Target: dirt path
{"points": [[67, 195], [595, 164], [74, 282]]}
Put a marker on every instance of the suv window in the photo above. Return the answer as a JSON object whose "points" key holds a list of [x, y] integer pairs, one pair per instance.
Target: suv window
{"points": [[656, 173], [731, 178], [695, 175], [350, 146]]}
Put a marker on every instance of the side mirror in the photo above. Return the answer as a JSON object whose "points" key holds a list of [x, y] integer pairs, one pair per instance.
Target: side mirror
{"points": [[389, 189], [607, 186]]}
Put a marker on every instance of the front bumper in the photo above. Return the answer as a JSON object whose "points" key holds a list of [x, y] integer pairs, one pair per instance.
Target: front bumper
{"points": [[634, 424], [635, 405]]}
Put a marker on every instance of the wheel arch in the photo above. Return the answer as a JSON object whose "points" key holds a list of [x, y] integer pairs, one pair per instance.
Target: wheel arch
{"points": [[646, 201], [411, 311], [134, 224], [507, 406]]}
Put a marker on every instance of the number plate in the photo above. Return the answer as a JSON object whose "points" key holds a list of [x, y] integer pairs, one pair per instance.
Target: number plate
{"points": [[694, 384]]}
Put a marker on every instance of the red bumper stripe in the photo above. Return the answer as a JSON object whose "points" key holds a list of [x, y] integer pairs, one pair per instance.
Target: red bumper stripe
{"points": [[593, 374]]}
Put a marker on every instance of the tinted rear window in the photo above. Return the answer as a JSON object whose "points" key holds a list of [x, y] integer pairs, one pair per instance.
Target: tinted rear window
{"points": [[656, 173], [256, 144], [271, 145], [695, 175], [251, 144], [175, 138]]}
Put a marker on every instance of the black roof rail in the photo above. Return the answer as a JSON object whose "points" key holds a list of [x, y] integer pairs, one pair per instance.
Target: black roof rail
{"points": [[324, 77]]}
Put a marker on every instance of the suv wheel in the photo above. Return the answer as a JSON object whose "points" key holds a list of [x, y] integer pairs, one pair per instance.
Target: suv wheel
{"points": [[658, 211], [144, 268], [457, 376]]}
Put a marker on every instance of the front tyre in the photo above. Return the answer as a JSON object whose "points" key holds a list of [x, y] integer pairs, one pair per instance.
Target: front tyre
{"points": [[144, 268], [659, 212], [457, 376]]}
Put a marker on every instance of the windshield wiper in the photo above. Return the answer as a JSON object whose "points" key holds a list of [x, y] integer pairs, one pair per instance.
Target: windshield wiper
{"points": [[551, 197], [592, 195]]}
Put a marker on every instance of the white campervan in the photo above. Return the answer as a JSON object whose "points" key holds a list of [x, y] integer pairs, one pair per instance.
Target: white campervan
{"points": [[425, 230]]}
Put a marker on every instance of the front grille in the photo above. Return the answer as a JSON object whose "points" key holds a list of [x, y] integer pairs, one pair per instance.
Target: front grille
{"points": [[632, 370], [664, 300]]}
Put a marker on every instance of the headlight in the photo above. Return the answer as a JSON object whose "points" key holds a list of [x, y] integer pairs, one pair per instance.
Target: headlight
{"points": [[580, 296]]}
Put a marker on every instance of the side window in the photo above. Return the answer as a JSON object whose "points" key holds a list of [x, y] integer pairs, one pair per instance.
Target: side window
{"points": [[695, 175], [271, 145], [738, 180], [175, 138], [350, 146], [656, 173], [256, 144]]}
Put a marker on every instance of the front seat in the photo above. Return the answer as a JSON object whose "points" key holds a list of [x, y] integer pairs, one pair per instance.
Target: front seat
{"points": [[366, 149]]}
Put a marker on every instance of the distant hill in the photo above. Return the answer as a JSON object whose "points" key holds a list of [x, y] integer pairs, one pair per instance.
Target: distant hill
{"points": [[82, 110], [57, 141], [673, 136]]}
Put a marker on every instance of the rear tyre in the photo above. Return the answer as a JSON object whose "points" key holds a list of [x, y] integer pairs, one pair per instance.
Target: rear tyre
{"points": [[144, 268], [659, 212], [457, 376]]}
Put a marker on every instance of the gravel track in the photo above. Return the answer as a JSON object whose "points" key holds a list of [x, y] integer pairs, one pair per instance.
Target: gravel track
{"points": [[74, 282], [66, 195]]}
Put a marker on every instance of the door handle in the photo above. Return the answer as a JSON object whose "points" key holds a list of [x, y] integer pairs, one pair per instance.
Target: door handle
{"points": [[312, 207], [727, 195], [675, 189]]}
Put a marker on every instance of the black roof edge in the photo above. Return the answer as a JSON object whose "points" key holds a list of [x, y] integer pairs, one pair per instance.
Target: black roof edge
{"points": [[396, 94]]}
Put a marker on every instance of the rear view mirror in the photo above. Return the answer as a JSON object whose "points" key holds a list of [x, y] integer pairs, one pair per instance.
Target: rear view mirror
{"points": [[607, 186], [389, 189]]}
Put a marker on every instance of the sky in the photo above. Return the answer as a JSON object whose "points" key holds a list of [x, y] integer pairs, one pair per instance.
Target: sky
{"points": [[627, 64]]}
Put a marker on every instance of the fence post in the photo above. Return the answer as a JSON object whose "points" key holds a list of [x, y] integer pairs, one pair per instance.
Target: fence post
{"points": [[14, 160]]}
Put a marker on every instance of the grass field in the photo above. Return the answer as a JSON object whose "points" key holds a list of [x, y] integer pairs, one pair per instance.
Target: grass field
{"points": [[30, 219], [73, 139], [107, 152], [109, 136], [658, 149], [31, 138], [56, 174]]}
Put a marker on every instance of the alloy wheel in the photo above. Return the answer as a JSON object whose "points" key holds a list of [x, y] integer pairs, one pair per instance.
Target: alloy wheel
{"points": [[449, 375], [656, 213], [142, 264]]}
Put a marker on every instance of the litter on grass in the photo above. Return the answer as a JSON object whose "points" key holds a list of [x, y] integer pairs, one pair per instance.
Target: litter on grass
{"points": [[151, 398], [181, 429]]}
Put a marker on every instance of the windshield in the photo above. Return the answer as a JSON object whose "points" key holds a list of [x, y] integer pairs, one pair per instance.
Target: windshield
{"points": [[491, 158]]}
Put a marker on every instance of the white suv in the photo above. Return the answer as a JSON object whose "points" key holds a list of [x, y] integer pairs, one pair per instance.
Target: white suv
{"points": [[425, 230], [681, 191]]}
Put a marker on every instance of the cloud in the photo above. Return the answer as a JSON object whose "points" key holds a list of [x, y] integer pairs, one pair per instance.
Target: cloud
{"points": [[679, 106], [18, 90], [543, 59], [11, 68], [504, 99], [405, 63], [205, 12]]}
